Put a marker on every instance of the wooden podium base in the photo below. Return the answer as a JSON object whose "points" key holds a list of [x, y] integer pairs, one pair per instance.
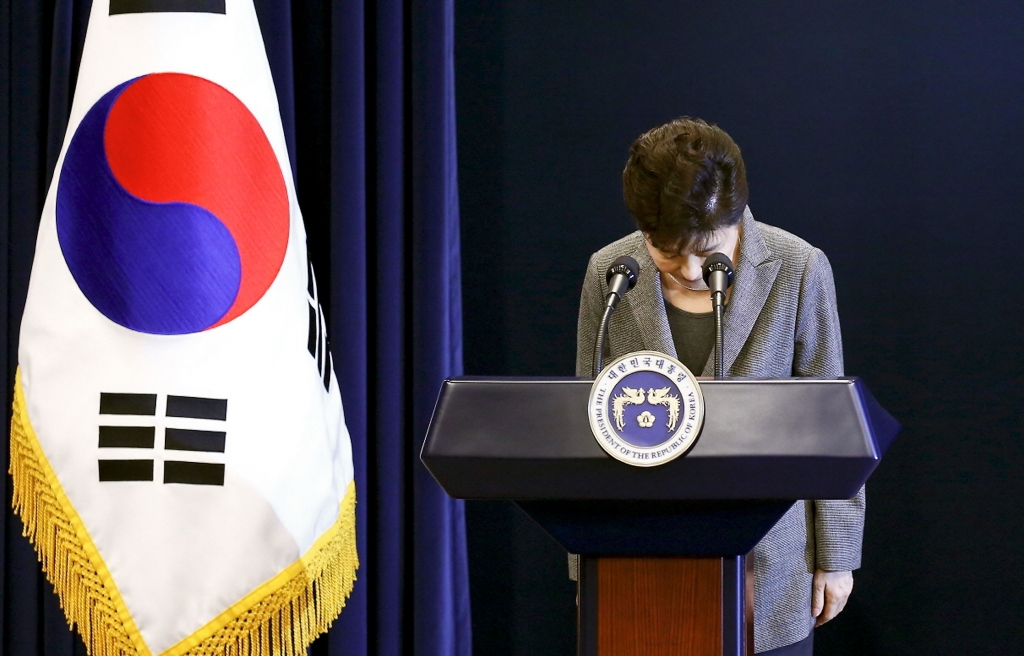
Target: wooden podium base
{"points": [[664, 607]]}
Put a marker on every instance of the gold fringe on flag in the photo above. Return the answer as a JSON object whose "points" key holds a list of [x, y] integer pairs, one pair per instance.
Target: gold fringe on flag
{"points": [[280, 618]]}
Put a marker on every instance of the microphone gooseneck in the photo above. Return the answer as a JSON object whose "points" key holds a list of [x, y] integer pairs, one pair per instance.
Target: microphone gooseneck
{"points": [[621, 277], [718, 276]]}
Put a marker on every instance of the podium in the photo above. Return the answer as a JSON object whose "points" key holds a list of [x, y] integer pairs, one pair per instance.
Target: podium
{"points": [[662, 567]]}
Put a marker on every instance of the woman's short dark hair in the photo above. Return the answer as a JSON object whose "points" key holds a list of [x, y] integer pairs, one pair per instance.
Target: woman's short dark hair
{"points": [[683, 181]]}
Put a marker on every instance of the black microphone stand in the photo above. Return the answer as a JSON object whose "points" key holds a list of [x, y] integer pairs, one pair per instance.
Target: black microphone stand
{"points": [[602, 332], [621, 277], [718, 277], [719, 306]]}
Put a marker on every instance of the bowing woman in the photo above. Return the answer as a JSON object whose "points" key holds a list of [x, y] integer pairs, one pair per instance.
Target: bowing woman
{"points": [[685, 185]]}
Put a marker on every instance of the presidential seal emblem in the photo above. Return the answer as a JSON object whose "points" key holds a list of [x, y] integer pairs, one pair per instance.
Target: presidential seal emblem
{"points": [[646, 409]]}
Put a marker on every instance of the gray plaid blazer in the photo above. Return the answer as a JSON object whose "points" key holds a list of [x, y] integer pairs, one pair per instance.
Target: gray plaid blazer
{"points": [[781, 321]]}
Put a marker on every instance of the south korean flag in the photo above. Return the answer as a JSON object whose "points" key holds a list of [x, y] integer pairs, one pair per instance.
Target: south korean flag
{"points": [[179, 452]]}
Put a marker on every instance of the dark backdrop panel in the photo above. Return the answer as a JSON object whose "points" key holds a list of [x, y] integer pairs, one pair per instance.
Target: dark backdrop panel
{"points": [[889, 135]]}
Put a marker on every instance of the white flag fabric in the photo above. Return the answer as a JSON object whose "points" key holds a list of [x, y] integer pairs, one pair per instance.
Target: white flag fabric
{"points": [[178, 447]]}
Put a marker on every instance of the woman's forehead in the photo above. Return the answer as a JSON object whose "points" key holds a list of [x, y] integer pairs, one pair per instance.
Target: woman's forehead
{"points": [[699, 243]]}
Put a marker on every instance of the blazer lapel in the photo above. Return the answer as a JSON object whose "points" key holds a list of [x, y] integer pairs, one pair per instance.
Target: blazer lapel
{"points": [[755, 274], [648, 305]]}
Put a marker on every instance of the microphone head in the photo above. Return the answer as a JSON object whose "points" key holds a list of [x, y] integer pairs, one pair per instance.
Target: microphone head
{"points": [[718, 262], [625, 266]]}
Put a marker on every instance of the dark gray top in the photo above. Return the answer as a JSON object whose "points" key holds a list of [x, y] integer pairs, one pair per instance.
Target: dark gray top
{"points": [[693, 334]]}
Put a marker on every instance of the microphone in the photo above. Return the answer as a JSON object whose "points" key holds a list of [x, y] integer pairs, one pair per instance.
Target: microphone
{"points": [[621, 278], [718, 277]]}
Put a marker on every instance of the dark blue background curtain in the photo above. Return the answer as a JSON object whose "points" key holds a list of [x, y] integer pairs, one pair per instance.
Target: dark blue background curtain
{"points": [[889, 134], [367, 99]]}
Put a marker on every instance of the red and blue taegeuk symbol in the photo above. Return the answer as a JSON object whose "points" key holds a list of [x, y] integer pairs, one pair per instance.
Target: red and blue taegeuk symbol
{"points": [[172, 212]]}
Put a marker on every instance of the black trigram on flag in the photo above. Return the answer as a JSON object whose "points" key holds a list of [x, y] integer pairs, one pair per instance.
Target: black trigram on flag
{"points": [[166, 6], [317, 343], [140, 432]]}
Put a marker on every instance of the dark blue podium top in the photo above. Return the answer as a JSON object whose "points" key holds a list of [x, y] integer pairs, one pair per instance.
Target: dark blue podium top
{"points": [[764, 444], [793, 438]]}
